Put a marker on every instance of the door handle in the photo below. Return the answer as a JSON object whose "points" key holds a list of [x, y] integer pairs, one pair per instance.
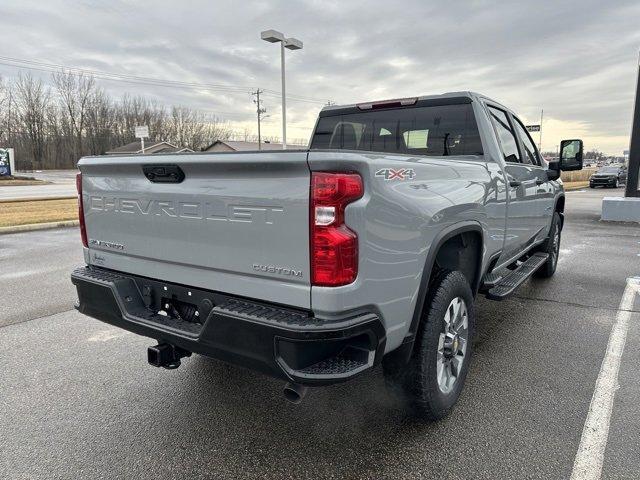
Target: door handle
{"points": [[539, 182], [163, 173], [514, 183]]}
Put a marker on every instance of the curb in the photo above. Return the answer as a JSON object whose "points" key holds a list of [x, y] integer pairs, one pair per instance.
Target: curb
{"points": [[38, 226], [36, 199], [23, 183]]}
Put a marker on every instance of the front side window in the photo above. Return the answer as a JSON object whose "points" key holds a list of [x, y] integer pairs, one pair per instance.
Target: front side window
{"points": [[438, 130], [505, 134], [530, 152]]}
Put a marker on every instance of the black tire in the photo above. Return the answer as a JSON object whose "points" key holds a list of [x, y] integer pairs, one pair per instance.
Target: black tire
{"points": [[592, 186], [417, 382], [552, 247]]}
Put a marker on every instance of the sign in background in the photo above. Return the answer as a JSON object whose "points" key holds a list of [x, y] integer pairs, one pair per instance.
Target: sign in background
{"points": [[533, 128], [142, 132], [6, 161]]}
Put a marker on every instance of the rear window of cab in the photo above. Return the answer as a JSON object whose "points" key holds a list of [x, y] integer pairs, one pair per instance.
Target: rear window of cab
{"points": [[442, 130]]}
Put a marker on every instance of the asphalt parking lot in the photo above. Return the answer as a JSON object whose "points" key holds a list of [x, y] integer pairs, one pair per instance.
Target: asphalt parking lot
{"points": [[78, 400]]}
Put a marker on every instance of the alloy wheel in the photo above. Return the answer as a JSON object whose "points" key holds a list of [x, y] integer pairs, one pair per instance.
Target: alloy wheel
{"points": [[452, 345]]}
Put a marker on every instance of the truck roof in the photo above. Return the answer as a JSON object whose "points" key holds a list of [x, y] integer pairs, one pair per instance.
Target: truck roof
{"points": [[445, 97]]}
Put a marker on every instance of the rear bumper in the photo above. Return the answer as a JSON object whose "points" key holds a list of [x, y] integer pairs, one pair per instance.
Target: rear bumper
{"points": [[281, 342]]}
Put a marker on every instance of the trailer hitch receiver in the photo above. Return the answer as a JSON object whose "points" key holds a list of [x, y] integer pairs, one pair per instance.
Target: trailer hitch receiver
{"points": [[166, 355]]}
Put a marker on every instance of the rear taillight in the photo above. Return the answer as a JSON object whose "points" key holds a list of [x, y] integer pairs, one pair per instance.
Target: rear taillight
{"points": [[83, 227], [334, 247]]}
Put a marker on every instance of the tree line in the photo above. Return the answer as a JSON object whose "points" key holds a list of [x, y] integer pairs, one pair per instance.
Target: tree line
{"points": [[53, 125]]}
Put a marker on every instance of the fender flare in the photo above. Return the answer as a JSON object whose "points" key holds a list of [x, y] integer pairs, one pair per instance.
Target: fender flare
{"points": [[403, 352], [438, 241], [559, 198]]}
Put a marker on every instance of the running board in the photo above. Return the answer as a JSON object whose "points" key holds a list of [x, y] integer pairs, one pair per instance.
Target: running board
{"points": [[508, 284], [490, 280]]}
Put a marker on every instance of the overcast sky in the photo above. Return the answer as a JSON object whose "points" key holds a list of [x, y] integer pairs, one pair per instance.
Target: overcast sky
{"points": [[575, 59]]}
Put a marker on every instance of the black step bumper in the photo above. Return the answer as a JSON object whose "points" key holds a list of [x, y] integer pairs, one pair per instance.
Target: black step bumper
{"points": [[282, 342]]}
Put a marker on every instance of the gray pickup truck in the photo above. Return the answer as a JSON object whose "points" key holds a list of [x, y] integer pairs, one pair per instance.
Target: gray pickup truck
{"points": [[316, 265]]}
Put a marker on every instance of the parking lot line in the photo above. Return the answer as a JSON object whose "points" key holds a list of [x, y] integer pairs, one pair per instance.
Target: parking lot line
{"points": [[590, 455]]}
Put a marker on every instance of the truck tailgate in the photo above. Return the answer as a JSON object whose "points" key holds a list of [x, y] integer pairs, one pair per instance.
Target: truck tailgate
{"points": [[238, 223]]}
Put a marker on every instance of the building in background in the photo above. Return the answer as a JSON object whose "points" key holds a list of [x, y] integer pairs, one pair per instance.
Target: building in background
{"points": [[238, 146], [150, 146]]}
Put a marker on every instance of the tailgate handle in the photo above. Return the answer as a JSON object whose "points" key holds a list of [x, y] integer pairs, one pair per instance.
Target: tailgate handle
{"points": [[163, 173]]}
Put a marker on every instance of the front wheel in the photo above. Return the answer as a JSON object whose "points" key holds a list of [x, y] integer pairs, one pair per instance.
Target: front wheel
{"points": [[433, 379], [552, 247]]}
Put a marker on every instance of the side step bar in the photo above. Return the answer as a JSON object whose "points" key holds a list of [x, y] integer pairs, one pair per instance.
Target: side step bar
{"points": [[508, 284]]}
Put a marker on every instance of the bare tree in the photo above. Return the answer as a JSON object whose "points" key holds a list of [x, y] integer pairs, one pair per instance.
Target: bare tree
{"points": [[75, 92], [216, 130], [53, 128], [32, 101], [101, 122], [134, 111]]}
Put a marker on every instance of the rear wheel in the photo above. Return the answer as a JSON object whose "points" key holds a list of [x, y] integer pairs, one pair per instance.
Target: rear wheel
{"points": [[432, 380], [552, 247]]}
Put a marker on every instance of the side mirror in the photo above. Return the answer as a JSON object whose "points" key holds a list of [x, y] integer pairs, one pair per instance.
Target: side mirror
{"points": [[571, 155], [553, 171]]}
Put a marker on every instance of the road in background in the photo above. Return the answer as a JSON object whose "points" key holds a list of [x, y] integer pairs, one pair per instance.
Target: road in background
{"points": [[63, 184], [54, 176], [79, 400], [16, 192]]}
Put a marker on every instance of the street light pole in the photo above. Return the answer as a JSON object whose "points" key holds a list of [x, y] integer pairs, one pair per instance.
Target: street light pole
{"points": [[284, 99], [273, 36]]}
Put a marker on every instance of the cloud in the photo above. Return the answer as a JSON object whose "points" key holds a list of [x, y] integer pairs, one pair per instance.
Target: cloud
{"points": [[576, 59]]}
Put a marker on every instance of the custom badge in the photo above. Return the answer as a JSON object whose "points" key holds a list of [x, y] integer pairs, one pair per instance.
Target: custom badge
{"points": [[390, 174]]}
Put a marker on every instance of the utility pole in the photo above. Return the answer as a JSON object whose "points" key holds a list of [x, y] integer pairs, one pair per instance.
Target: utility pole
{"points": [[260, 110]]}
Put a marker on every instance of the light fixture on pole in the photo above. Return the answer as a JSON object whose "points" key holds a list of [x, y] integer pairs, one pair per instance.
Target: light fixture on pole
{"points": [[273, 36]]}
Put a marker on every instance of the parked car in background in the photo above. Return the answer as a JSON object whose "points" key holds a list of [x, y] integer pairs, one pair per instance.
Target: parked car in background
{"points": [[609, 176]]}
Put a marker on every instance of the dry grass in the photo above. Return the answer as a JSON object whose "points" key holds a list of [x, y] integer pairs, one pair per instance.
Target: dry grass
{"points": [[575, 185], [578, 175], [20, 181], [38, 211]]}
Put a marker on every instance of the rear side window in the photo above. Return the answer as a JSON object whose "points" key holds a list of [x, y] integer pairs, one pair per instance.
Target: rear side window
{"points": [[430, 130], [506, 135], [530, 152]]}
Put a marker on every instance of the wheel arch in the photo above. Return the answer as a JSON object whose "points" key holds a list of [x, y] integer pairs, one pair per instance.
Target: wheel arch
{"points": [[559, 207], [403, 353]]}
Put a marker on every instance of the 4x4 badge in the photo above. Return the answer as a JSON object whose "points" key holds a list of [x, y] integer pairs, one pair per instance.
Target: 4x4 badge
{"points": [[393, 174]]}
